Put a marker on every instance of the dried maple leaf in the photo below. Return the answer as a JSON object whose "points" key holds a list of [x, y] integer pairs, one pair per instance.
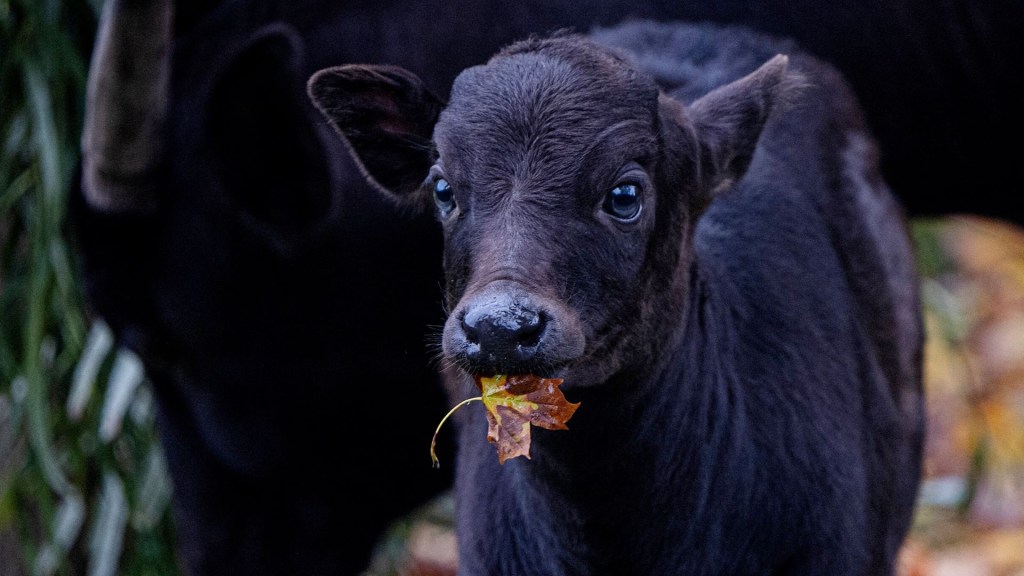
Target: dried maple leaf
{"points": [[513, 403]]}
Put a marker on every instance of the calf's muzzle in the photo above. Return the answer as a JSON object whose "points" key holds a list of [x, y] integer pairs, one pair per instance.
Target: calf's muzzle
{"points": [[505, 329]]}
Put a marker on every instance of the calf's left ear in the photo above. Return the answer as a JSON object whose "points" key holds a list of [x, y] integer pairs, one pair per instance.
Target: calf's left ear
{"points": [[386, 115], [728, 120]]}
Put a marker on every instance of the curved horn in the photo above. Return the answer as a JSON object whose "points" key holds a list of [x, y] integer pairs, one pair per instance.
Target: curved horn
{"points": [[126, 103]]}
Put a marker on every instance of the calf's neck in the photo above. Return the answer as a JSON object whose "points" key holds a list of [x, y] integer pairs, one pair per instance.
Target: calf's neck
{"points": [[687, 224]]}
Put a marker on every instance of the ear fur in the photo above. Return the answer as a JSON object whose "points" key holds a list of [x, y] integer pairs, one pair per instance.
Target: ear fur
{"points": [[263, 138], [386, 115], [728, 121]]}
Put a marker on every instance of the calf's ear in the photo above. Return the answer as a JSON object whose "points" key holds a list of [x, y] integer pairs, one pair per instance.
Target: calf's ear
{"points": [[386, 115], [728, 120]]}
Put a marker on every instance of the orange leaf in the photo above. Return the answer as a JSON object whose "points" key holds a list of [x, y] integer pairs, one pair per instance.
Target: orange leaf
{"points": [[514, 403]]}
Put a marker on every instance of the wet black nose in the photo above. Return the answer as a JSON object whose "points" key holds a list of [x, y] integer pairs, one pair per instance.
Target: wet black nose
{"points": [[505, 328], [503, 331]]}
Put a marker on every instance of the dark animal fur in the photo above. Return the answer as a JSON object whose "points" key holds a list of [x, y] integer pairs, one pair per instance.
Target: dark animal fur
{"points": [[749, 369]]}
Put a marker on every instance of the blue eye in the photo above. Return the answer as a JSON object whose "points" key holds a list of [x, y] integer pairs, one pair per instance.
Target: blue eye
{"points": [[444, 196], [623, 202]]}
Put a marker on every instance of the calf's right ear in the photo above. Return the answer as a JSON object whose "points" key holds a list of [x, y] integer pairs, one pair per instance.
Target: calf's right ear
{"points": [[387, 117]]}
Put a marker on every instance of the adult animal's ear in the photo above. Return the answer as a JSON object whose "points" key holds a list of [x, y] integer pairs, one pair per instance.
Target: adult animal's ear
{"points": [[264, 144], [386, 115], [728, 121]]}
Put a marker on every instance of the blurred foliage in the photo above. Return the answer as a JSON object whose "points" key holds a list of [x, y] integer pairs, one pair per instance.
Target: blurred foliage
{"points": [[970, 519], [83, 485], [422, 544]]}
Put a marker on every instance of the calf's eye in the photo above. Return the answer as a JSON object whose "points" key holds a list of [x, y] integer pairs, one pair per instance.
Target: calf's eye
{"points": [[444, 196], [623, 202]]}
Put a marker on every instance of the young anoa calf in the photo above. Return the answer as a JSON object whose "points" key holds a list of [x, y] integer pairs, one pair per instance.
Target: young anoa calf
{"points": [[707, 255]]}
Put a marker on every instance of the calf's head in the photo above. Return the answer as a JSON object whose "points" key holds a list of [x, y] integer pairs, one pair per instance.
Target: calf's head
{"points": [[568, 187]]}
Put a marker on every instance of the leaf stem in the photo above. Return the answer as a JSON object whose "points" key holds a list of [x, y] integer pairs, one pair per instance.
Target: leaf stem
{"points": [[433, 441]]}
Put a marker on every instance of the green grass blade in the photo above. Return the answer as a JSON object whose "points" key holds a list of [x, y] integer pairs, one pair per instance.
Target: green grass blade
{"points": [[44, 133]]}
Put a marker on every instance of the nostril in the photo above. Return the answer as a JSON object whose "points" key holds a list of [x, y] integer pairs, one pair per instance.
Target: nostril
{"points": [[471, 331], [529, 331]]}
